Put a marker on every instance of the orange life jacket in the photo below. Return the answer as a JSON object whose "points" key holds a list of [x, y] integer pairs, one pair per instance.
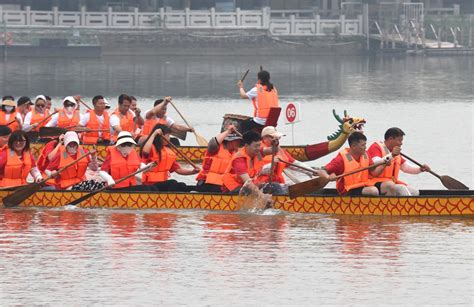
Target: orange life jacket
{"points": [[150, 123], [161, 172], [356, 180], [74, 173], [126, 123], [232, 181], [64, 121], [218, 165], [121, 167], [16, 169], [278, 168], [390, 172], [264, 101], [3, 120], [94, 124], [36, 118]]}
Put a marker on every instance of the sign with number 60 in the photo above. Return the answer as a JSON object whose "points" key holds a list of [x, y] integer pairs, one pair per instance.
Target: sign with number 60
{"points": [[292, 113]]}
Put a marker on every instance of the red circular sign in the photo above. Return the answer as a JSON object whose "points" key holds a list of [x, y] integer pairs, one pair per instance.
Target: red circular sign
{"points": [[290, 112]]}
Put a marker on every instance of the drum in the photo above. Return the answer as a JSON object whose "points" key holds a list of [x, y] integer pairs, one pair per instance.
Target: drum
{"points": [[233, 119]]}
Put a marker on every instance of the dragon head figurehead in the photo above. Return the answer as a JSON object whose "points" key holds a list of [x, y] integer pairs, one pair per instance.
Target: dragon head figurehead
{"points": [[347, 125]]}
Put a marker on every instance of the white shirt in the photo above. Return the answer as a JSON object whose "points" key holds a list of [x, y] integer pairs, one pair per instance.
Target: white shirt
{"points": [[169, 121], [115, 120], [253, 94], [85, 120], [27, 122]]}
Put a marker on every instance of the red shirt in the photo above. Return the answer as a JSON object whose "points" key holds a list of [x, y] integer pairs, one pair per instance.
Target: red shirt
{"points": [[336, 166], [375, 151], [54, 163], [3, 161]]}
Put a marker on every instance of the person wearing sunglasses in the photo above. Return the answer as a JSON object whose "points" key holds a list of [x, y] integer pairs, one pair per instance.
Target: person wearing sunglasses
{"points": [[17, 161], [76, 173], [68, 116], [121, 160], [35, 116]]}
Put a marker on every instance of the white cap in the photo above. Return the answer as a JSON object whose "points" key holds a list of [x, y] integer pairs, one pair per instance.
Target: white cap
{"points": [[125, 137], [107, 104], [40, 97], [69, 137], [271, 131], [70, 99]]}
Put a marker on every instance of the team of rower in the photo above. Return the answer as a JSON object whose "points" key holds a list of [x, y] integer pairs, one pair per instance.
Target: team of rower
{"points": [[231, 159]]}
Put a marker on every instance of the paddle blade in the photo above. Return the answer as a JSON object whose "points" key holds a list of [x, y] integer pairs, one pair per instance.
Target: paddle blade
{"points": [[51, 131], [201, 140], [452, 184], [306, 187], [21, 195], [251, 198]]}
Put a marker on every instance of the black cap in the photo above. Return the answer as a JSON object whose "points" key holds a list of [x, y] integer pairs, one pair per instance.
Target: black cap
{"points": [[5, 130], [22, 100]]}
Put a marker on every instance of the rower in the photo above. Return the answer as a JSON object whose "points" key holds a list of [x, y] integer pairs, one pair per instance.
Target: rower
{"points": [[49, 103], [23, 107], [155, 150], [5, 132], [76, 173], [350, 159], [68, 116], [9, 116], [138, 121], [121, 160], [36, 115], [216, 160], [264, 96], [158, 115], [244, 165], [96, 119], [387, 182], [122, 119], [17, 161]]}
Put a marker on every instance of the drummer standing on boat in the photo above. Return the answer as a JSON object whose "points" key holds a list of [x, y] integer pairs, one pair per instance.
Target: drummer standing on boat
{"points": [[264, 96], [387, 182]]}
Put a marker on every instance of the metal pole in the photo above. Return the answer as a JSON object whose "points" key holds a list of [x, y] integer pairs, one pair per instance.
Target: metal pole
{"points": [[293, 134], [366, 19]]}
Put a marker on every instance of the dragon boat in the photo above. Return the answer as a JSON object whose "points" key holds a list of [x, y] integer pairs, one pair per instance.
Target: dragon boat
{"points": [[429, 203], [347, 124]]}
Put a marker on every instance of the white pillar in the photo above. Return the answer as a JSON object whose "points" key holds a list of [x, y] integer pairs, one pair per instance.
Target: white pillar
{"points": [[292, 24], [162, 17], [135, 17], [1, 13], [83, 16], [28, 15], [238, 17], [55, 16], [109, 16], [342, 20], [213, 17], [317, 24], [187, 20]]}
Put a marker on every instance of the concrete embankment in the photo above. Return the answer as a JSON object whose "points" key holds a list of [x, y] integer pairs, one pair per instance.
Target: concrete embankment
{"points": [[197, 42]]}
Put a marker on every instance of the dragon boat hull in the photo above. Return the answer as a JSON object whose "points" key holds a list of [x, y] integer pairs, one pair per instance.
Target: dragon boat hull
{"points": [[429, 203]]}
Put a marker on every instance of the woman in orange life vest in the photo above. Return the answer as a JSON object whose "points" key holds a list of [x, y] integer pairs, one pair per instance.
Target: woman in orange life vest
{"points": [[5, 132], [154, 150], [387, 182], [68, 116], [16, 161], [350, 159], [157, 115], [216, 160], [76, 173], [264, 96], [37, 114], [244, 165], [96, 119], [9, 116], [121, 160]]}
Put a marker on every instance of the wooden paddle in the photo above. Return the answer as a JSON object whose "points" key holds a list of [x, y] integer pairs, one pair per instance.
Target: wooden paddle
{"points": [[82, 198], [179, 153], [41, 121], [449, 182], [26, 191], [199, 138], [244, 76], [319, 183], [85, 104], [15, 120], [312, 171]]}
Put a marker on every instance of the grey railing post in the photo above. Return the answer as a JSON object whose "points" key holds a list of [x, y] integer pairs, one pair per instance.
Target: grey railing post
{"points": [[238, 17], [55, 16], [135, 17], [28, 15], [109, 16], [83, 16]]}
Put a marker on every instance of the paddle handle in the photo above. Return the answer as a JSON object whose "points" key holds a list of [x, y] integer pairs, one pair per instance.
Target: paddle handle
{"points": [[43, 120], [11, 122], [272, 167], [244, 76], [419, 164], [179, 153], [153, 164], [360, 169], [184, 119], [85, 104], [299, 166]]}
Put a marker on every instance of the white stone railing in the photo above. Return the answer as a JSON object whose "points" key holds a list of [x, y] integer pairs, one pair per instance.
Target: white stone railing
{"points": [[186, 19]]}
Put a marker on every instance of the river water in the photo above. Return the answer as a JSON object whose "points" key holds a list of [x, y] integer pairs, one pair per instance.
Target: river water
{"points": [[112, 257]]}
